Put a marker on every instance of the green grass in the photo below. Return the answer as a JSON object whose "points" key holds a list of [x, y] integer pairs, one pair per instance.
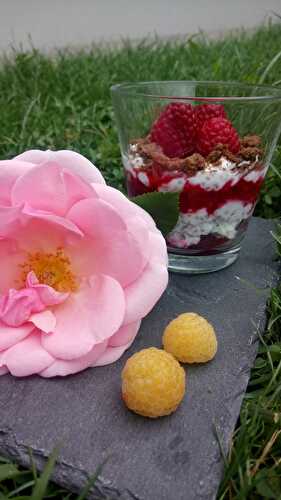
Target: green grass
{"points": [[64, 102]]}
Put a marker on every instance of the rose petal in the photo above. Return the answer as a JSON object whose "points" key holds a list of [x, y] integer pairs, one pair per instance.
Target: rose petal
{"points": [[69, 189], [71, 160], [137, 229], [115, 250], [117, 256], [26, 357], [45, 321], [40, 235], [47, 295], [125, 208], [125, 334], [10, 260], [10, 170], [142, 295], [45, 177], [88, 317], [62, 367], [9, 220], [76, 187], [51, 218], [92, 216], [10, 335], [158, 248], [112, 354], [17, 306]]}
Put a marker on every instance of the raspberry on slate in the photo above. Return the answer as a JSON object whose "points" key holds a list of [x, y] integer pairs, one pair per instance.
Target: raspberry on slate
{"points": [[205, 112], [217, 131], [190, 339], [175, 130], [153, 383]]}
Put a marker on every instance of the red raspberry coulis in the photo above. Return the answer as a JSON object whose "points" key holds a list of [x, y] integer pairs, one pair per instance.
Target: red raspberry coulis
{"points": [[195, 197]]}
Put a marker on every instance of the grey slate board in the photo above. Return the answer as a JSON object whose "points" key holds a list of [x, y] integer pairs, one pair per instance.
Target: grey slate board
{"points": [[175, 457]]}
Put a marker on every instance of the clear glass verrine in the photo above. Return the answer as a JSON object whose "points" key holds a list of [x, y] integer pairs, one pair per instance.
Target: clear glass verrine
{"points": [[212, 142]]}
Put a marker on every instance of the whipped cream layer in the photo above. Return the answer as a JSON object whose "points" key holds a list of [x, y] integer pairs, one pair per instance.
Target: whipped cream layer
{"points": [[223, 223], [214, 177]]}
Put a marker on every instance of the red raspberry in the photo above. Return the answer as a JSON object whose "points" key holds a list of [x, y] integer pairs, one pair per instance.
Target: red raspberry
{"points": [[217, 131], [175, 130], [205, 112]]}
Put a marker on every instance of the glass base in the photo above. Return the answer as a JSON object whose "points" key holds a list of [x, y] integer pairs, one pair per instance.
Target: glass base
{"points": [[199, 264]]}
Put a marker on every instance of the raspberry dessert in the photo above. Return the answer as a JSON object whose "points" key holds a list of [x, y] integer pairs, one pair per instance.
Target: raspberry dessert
{"points": [[197, 152]]}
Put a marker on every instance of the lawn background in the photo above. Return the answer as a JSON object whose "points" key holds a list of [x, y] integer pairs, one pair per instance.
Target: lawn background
{"points": [[63, 102]]}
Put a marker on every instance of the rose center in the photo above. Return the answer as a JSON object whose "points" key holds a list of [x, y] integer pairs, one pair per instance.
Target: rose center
{"points": [[53, 269]]}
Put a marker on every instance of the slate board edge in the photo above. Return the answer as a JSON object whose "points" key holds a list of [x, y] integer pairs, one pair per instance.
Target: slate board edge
{"points": [[65, 474]]}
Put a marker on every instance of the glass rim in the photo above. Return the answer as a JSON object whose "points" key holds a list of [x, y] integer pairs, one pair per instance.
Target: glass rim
{"points": [[126, 89]]}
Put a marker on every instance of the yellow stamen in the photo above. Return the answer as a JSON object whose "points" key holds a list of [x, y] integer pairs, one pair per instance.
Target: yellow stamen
{"points": [[53, 269]]}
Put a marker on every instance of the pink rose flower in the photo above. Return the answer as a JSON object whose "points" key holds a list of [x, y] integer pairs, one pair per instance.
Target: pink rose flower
{"points": [[81, 265]]}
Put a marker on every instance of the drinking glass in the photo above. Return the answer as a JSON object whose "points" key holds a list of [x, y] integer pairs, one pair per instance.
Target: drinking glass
{"points": [[211, 142]]}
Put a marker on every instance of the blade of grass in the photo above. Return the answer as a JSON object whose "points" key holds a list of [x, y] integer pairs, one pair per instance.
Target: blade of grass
{"points": [[90, 483], [8, 471], [41, 483], [23, 487], [269, 67]]}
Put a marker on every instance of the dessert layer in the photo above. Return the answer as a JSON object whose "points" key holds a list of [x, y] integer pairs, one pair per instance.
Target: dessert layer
{"points": [[223, 222]]}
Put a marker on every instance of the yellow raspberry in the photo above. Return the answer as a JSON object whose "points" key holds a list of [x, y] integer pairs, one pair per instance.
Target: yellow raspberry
{"points": [[153, 383], [190, 338]]}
